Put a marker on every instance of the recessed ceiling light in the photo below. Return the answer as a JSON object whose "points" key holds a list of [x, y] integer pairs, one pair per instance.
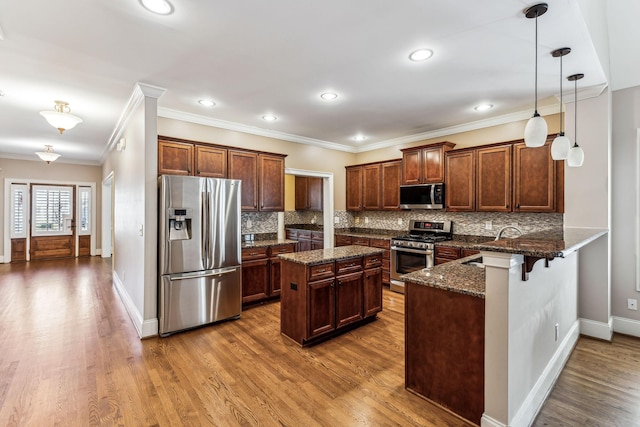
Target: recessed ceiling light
{"points": [[206, 103], [421, 55], [483, 107], [359, 138], [269, 118], [161, 7], [329, 96]]}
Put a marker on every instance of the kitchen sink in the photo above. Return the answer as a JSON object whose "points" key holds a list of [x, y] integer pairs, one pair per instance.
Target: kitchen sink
{"points": [[475, 262]]}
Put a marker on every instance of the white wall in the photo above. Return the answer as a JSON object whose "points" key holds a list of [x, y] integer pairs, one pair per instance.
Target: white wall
{"points": [[626, 114]]}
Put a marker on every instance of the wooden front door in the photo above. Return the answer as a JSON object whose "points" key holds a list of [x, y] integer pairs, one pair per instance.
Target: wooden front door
{"points": [[52, 221]]}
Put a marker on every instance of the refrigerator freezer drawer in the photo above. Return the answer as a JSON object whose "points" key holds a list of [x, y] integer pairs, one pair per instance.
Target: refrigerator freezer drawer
{"points": [[192, 301]]}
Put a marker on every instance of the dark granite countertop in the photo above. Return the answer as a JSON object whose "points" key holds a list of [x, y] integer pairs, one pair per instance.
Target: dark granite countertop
{"points": [[544, 244], [310, 227], [452, 276], [266, 243], [465, 241], [368, 232], [320, 256]]}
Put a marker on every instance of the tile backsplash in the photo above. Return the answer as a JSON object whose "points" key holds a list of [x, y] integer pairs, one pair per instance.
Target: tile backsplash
{"points": [[471, 223]]}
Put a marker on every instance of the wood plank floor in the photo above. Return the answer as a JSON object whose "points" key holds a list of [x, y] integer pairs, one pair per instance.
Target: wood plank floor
{"points": [[69, 356]]}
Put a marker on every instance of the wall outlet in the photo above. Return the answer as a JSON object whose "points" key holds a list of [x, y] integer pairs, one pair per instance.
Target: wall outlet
{"points": [[249, 223], [336, 220], [313, 220], [366, 220], [488, 225], [557, 331], [632, 304], [399, 221], [357, 221], [514, 224]]}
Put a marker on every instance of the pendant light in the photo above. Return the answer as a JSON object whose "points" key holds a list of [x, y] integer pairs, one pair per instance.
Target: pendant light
{"points": [[576, 154], [561, 145], [535, 133], [60, 117], [48, 155]]}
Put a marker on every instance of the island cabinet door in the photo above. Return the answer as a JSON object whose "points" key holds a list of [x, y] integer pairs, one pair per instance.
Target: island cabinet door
{"points": [[372, 285], [348, 299], [322, 312]]}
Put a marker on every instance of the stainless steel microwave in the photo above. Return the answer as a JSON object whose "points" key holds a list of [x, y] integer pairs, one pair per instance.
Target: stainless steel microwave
{"points": [[422, 196]]}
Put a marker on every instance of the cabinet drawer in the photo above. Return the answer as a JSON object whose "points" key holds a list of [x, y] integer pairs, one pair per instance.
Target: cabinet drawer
{"points": [[386, 277], [320, 271], [292, 234], [254, 253], [317, 235], [468, 252], [372, 261], [447, 252], [380, 243], [304, 234], [282, 249], [343, 240], [361, 241], [348, 265]]}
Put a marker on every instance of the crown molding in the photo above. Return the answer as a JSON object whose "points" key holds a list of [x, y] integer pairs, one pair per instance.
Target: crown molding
{"points": [[140, 91], [223, 124], [583, 93]]}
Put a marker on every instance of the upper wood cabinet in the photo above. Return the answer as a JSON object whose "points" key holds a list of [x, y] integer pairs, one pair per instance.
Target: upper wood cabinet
{"points": [[374, 186], [308, 193], [354, 188], [271, 182], [243, 165], [460, 181], [211, 162], [534, 179], [424, 164], [508, 177], [493, 192], [390, 187], [371, 187], [175, 158]]}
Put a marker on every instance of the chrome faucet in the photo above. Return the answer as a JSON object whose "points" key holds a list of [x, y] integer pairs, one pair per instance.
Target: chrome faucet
{"points": [[499, 235]]}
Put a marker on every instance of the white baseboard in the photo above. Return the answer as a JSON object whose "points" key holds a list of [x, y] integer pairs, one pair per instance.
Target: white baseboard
{"points": [[538, 394], [145, 329], [98, 252], [1, 260], [626, 326], [599, 330], [487, 421]]}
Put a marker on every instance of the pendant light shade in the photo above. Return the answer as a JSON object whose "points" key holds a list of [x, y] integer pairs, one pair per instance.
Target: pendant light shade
{"points": [[535, 133], [60, 118], [575, 159], [561, 145], [48, 155]]}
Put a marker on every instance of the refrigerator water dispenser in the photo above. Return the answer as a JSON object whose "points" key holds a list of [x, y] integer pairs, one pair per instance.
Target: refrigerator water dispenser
{"points": [[179, 224]]}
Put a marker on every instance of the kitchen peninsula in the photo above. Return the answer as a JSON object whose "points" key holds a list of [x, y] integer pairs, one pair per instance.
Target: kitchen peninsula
{"points": [[329, 291], [521, 308]]}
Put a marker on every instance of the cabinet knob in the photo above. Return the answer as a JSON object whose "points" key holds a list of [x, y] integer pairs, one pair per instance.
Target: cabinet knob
{"points": [[198, 171], [518, 206]]}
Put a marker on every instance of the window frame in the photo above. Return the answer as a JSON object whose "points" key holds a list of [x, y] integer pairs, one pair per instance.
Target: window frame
{"points": [[66, 230]]}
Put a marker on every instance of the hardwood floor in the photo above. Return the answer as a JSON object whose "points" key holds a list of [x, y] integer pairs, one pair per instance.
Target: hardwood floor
{"points": [[69, 356]]}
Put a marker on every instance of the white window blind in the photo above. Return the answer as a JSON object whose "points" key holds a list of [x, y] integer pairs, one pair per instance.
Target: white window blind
{"points": [[84, 220], [52, 210], [19, 202]]}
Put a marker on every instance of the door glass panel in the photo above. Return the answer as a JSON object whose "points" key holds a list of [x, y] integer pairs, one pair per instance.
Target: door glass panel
{"points": [[51, 212]]}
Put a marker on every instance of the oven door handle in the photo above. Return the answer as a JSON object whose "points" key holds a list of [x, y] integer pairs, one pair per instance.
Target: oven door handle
{"points": [[413, 251]]}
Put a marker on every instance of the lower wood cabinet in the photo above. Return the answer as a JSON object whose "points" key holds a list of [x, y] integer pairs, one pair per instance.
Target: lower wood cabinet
{"points": [[323, 299], [451, 253], [307, 240], [261, 272], [343, 240]]}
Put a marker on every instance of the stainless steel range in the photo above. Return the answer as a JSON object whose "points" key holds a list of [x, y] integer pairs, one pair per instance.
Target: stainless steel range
{"points": [[415, 251]]}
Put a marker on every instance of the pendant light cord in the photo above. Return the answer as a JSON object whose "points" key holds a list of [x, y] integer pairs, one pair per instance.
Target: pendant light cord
{"points": [[575, 120], [535, 113], [561, 128]]}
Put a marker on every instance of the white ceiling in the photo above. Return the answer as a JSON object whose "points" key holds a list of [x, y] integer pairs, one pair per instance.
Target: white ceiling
{"points": [[259, 57]]}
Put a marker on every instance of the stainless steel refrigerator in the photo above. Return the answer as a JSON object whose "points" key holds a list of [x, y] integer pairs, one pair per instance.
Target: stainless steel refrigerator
{"points": [[199, 254]]}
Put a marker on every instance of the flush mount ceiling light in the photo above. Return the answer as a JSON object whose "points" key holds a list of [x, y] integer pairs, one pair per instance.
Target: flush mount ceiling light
{"points": [[561, 144], [206, 103], [421, 55], [60, 118], [329, 96], [48, 155], [359, 138], [269, 118], [160, 7], [535, 133], [576, 154], [483, 107]]}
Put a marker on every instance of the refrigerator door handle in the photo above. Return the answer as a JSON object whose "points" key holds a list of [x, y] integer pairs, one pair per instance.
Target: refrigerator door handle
{"points": [[205, 225], [205, 273]]}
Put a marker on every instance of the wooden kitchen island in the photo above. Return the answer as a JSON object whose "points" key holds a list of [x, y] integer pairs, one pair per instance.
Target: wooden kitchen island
{"points": [[326, 292]]}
